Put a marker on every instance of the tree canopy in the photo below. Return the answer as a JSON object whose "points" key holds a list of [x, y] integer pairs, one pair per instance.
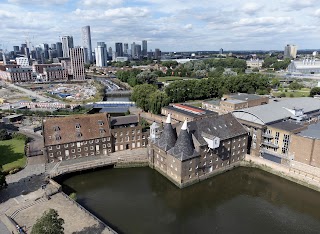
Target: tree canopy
{"points": [[315, 91], [49, 223], [3, 182], [141, 95]]}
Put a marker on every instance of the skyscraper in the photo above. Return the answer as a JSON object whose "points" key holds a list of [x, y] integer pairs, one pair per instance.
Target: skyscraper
{"points": [[119, 49], [290, 51], [125, 48], [77, 63], [144, 48], [101, 55], [157, 53], [86, 41], [16, 49], [67, 44], [59, 49], [138, 51], [133, 49], [221, 51]]}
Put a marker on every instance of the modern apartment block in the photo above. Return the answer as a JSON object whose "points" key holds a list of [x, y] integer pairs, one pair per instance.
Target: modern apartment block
{"points": [[77, 63], [290, 51], [73, 137], [67, 44], [17, 75], [196, 150]]}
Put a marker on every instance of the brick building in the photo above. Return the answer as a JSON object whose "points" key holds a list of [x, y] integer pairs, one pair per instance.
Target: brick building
{"points": [[232, 102], [17, 75], [274, 129], [195, 150], [182, 112], [79, 136]]}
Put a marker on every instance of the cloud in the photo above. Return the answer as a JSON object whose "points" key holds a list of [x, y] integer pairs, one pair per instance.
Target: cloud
{"points": [[188, 26], [263, 21], [251, 8], [39, 2], [101, 2], [300, 4], [317, 13]]}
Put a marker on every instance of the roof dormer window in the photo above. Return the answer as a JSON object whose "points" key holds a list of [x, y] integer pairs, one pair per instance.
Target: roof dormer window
{"points": [[58, 137], [79, 134], [100, 122], [102, 130], [56, 128], [78, 126]]}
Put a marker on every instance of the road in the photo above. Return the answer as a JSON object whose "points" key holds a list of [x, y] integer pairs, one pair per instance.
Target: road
{"points": [[31, 93]]}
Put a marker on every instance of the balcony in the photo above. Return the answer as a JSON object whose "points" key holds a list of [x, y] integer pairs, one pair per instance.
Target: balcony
{"points": [[270, 144], [265, 135]]}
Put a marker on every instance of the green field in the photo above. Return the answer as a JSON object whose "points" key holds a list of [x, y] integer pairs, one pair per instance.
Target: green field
{"points": [[12, 154], [304, 92], [171, 78]]}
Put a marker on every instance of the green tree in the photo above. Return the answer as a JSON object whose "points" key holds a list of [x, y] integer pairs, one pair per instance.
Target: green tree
{"points": [[147, 77], [141, 95], [158, 100], [4, 135], [49, 223], [295, 85], [314, 91], [3, 182]]}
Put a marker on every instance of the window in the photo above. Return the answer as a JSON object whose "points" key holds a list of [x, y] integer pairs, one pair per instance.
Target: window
{"points": [[100, 122], [77, 126], [87, 154], [92, 154], [79, 155], [104, 146], [79, 149], [133, 132], [50, 154], [72, 144], [85, 148], [109, 150], [91, 147], [143, 137], [58, 137], [286, 139], [73, 151], [109, 144], [189, 176], [78, 144], [97, 140], [91, 141], [79, 134], [59, 153], [190, 169], [56, 128], [108, 138], [103, 139], [50, 147]]}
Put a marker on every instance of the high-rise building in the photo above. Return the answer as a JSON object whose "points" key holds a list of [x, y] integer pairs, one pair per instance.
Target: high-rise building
{"points": [[67, 44], [53, 46], [221, 51], [77, 63], [138, 51], [125, 48], [22, 48], [86, 42], [16, 49], [59, 49], [101, 55], [119, 49], [144, 48], [157, 53], [110, 52], [133, 49], [290, 51], [45, 50]]}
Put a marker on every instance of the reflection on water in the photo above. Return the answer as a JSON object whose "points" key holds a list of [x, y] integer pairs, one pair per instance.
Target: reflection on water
{"points": [[245, 200]]}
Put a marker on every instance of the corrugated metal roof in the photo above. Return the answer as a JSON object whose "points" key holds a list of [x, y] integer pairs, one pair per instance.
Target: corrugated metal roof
{"points": [[276, 111]]}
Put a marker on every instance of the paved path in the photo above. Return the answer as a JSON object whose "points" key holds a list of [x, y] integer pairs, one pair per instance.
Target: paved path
{"points": [[3, 229]]}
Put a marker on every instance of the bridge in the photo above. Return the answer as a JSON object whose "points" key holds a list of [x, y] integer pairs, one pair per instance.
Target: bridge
{"points": [[118, 93], [116, 159], [111, 104]]}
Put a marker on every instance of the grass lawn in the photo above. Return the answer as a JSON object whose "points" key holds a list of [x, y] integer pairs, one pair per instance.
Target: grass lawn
{"points": [[171, 78], [12, 154], [304, 92]]}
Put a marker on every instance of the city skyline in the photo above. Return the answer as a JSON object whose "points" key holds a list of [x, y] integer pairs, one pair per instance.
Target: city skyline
{"points": [[169, 25]]}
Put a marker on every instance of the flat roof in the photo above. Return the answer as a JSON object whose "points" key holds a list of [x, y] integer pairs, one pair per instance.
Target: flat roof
{"points": [[235, 101], [287, 126], [278, 110], [213, 101], [312, 131], [245, 96], [13, 116]]}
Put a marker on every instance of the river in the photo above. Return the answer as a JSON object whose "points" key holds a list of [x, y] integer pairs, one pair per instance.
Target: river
{"points": [[244, 200]]}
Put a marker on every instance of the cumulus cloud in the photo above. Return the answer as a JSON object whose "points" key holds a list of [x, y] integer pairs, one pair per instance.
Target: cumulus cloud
{"points": [[40, 2], [251, 7], [101, 2], [300, 4], [263, 21]]}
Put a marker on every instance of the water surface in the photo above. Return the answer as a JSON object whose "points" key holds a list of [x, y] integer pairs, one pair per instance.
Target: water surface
{"points": [[245, 200]]}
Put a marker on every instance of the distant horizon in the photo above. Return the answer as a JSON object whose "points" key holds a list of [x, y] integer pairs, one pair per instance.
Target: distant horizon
{"points": [[170, 25]]}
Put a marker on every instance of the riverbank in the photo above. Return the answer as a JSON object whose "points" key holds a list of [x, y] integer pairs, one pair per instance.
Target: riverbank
{"points": [[300, 176]]}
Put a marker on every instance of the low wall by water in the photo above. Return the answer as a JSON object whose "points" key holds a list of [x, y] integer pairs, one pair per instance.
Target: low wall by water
{"points": [[289, 173]]}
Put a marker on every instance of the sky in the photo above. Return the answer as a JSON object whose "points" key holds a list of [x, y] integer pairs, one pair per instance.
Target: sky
{"points": [[171, 25]]}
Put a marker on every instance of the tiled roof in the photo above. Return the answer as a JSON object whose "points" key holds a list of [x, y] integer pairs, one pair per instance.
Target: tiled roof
{"points": [[222, 126], [124, 120], [168, 137], [184, 148], [75, 128]]}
